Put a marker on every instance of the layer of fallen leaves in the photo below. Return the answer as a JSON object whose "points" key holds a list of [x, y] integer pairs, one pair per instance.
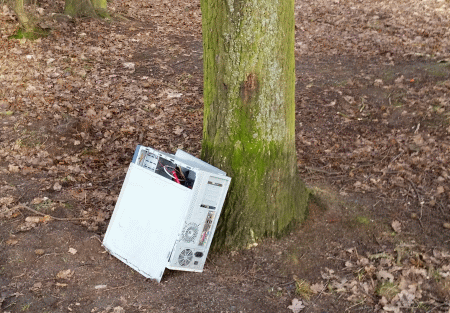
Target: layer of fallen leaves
{"points": [[355, 27], [75, 104], [410, 277]]}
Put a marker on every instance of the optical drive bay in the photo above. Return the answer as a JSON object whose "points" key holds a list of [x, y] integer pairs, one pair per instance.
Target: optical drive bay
{"points": [[166, 213]]}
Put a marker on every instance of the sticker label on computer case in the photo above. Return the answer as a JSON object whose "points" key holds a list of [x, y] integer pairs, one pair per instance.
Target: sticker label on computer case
{"points": [[213, 192], [148, 160], [207, 228]]}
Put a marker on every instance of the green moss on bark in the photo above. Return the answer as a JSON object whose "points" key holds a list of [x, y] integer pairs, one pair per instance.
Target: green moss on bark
{"points": [[78, 8], [249, 116]]}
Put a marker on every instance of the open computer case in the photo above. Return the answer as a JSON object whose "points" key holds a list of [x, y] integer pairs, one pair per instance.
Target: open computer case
{"points": [[166, 213]]}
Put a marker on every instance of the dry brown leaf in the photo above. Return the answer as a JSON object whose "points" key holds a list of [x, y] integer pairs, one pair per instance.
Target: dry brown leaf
{"points": [[396, 226], [385, 275], [33, 219], [11, 242], [318, 287], [57, 186], [178, 130], [64, 274], [72, 251], [296, 306], [6, 200]]}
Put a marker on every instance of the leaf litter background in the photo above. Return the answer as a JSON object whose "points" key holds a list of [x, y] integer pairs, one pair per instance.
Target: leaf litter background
{"points": [[373, 110]]}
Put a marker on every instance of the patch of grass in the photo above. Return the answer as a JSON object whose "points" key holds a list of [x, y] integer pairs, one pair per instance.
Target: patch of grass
{"points": [[340, 83], [357, 222], [25, 307], [317, 200], [438, 109], [360, 274], [36, 33], [375, 25], [388, 76], [89, 152], [29, 139], [436, 275], [396, 99], [382, 255], [303, 289], [7, 113], [68, 206], [363, 220], [294, 259], [438, 70], [44, 205], [422, 306], [388, 290]]}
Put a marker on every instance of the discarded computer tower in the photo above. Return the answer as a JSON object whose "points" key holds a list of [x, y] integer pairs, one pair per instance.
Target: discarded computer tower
{"points": [[166, 213]]}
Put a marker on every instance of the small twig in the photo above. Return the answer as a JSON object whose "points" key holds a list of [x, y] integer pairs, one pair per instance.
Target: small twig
{"points": [[48, 254], [9, 305], [323, 289], [18, 276], [313, 169], [284, 284], [417, 129], [118, 287], [441, 207], [212, 262], [179, 62], [437, 306], [418, 200], [21, 196], [264, 281], [351, 307], [396, 157], [53, 217], [96, 238]]}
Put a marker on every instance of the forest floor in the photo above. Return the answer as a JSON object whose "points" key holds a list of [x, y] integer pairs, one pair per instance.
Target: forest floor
{"points": [[373, 142]]}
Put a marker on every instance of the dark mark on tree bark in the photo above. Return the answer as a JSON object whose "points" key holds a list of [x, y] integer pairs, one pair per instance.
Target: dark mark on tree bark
{"points": [[249, 88]]}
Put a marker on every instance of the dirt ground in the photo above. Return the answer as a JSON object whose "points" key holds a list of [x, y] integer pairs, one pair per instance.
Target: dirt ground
{"points": [[373, 142]]}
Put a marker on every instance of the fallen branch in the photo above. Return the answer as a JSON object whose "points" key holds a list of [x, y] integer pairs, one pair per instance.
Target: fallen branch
{"points": [[53, 217]]}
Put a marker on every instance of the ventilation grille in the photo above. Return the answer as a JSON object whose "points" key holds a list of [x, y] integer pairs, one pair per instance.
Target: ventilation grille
{"points": [[190, 232], [185, 257]]}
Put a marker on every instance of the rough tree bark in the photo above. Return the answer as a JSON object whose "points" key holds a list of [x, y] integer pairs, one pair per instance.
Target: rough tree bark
{"points": [[77, 8], [249, 116], [99, 4], [27, 25]]}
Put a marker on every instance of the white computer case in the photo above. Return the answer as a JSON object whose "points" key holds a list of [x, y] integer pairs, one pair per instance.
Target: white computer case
{"points": [[166, 213]]}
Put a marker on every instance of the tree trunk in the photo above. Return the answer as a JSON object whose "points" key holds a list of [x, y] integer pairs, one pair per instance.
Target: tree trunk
{"points": [[99, 4], [77, 8], [249, 116], [22, 16], [100, 7]]}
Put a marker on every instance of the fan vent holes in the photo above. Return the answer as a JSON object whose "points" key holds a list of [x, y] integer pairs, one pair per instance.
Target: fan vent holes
{"points": [[185, 257], [190, 232]]}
